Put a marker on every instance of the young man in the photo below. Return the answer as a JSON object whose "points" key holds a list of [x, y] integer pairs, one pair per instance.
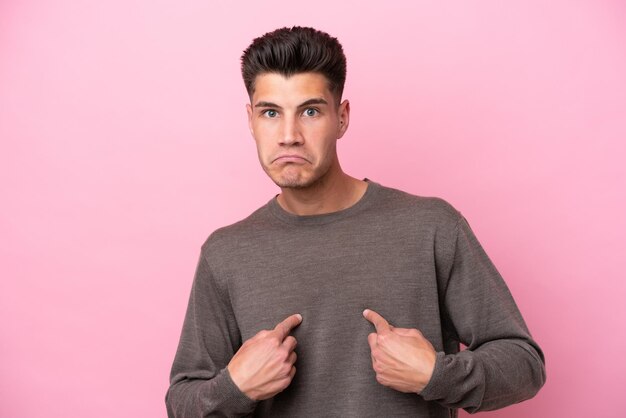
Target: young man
{"points": [[376, 287]]}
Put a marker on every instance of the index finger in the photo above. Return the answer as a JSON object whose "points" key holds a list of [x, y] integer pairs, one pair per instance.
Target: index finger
{"points": [[379, 322], [284, 328]]}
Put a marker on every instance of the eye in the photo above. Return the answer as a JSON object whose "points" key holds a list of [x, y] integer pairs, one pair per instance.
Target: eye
{"points": [[311, 112], [270, 113]]}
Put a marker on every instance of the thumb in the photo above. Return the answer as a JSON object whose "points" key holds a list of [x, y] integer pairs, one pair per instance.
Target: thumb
{"points": [[379, 322]]}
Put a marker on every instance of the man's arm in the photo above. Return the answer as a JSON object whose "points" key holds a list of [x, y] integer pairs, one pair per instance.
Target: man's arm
{"points": [[200, 383], [213, 373], [502, 365]]}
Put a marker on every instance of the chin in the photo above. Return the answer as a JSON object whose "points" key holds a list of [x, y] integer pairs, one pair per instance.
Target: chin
{"points": [[293, 183]]}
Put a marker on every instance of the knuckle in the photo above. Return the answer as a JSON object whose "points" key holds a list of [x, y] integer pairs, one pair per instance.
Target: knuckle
{"points": [[281, 354], [285, 354], [292, 373], [270, 344], [285, 376], [285, 370], [274, 341], [281, 385], [375, 353], [371, 340]]}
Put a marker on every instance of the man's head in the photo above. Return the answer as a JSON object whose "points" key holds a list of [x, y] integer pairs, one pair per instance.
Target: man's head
{"points": [[292, 51], [295, 80]]}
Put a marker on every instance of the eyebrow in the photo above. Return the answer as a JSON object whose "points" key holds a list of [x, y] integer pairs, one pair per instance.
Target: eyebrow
{"points": [[303, 104]]}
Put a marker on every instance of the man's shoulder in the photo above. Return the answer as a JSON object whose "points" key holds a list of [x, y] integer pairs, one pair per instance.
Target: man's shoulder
{"points": [[425, 208], [240, 231]]}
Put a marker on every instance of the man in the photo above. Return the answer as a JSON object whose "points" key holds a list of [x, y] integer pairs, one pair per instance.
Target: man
{"points": [[375, 287]]}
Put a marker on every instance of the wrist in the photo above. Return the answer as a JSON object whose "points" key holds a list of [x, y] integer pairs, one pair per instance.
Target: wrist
{"points": [[428, 370], [242, 384]]}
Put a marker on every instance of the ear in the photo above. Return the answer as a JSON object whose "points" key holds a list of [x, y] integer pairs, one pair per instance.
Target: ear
{"points": [[249, 111], [344, 117]]}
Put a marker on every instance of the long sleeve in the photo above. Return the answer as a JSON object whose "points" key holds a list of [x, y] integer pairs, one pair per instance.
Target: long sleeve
{"points": [[200, 385], [501, 365]]}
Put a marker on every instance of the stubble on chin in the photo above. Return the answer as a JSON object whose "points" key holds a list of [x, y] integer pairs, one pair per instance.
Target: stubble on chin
{"points": [[292, 183]]}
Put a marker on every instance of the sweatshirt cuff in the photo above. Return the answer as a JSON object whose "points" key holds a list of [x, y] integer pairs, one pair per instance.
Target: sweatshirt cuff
{"points": [[436, 387], [233, 399]]}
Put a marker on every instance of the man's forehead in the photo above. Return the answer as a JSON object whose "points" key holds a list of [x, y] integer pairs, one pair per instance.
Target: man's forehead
{"points": [[299, 86]]}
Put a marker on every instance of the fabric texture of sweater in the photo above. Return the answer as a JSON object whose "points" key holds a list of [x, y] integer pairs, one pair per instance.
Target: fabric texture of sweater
{"points": [[413, 259]]}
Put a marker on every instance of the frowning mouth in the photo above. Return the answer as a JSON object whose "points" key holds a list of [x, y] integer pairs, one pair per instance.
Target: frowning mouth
{"points": [[290, 158]]}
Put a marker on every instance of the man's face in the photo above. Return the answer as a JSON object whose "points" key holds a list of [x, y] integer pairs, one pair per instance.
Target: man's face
{"points": [[296, 122]]}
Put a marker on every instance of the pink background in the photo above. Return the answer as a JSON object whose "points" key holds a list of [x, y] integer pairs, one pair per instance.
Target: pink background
{"points": [[124, 144]]}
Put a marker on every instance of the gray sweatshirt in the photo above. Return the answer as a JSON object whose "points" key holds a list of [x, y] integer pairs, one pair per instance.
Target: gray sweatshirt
{"points": [[412, 259]]}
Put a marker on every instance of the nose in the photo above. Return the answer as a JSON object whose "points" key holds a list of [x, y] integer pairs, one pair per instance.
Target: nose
{"points": [[291, 134]]}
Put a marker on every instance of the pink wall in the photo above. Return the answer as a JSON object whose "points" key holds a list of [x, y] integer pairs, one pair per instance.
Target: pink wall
{"points": [[124, 144]]}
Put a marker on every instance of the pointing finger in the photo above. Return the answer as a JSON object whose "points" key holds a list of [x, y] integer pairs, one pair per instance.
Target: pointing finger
{"points": [[284, 328], [379, 322]]}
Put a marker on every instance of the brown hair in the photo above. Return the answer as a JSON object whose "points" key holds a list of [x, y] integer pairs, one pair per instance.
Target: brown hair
{"points": [[297, 50]]}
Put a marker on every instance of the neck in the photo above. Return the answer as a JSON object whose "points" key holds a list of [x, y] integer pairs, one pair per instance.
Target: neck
{"points": [[330, 194]]}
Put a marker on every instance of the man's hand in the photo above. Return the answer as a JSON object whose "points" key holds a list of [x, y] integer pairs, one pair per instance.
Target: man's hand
{"points": [[402, 358], [264, 365]]}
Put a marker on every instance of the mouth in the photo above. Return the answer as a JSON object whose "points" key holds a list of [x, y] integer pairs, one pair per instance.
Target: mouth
{"points": [[290, 158]]}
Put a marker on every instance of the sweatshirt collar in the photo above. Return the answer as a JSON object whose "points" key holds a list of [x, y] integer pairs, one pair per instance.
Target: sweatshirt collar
{"points": [[277, 211]]}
